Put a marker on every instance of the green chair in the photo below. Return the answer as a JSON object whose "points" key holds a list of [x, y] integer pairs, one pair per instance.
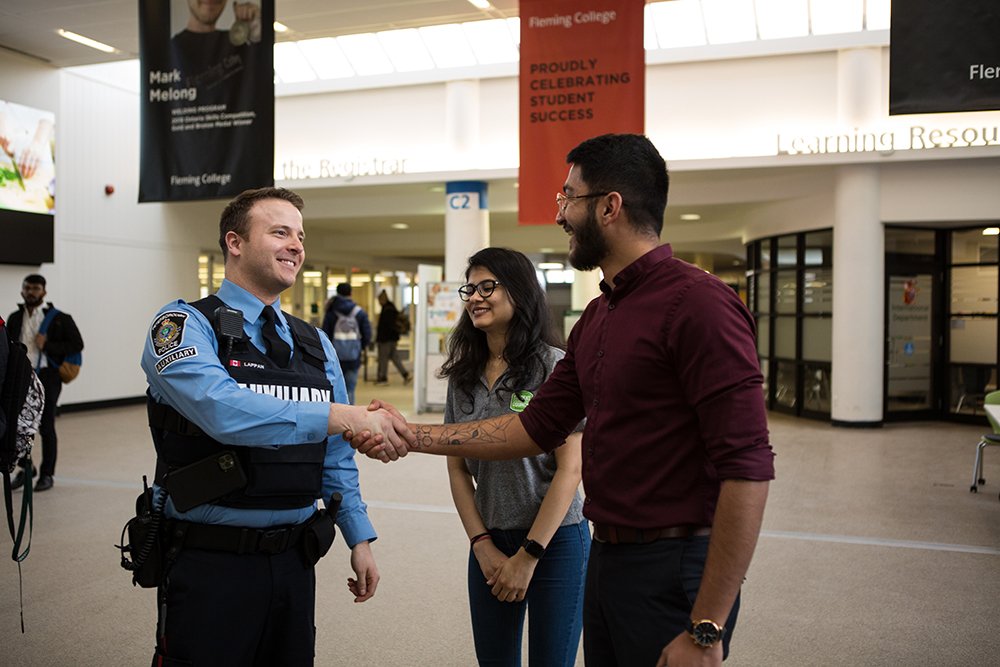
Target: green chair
{"points": [[992, 398]]}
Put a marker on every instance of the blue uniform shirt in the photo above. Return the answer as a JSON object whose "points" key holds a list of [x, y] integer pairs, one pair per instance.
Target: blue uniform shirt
{"points": [[197, 386]]}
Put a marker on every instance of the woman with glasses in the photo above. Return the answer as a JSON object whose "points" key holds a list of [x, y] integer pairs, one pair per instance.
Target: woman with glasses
{"points": [[529, 541]]}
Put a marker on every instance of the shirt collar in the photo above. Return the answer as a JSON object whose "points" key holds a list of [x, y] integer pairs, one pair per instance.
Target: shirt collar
{"points": [[236, 297], [632, 274]]}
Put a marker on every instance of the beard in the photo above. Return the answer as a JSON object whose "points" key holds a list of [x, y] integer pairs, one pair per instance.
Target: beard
{"points": [[591, 247], [32, 301]]}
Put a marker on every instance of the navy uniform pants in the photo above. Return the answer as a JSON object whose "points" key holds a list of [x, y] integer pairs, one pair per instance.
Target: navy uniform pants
{"points": [[231, 609], [638, 597]]}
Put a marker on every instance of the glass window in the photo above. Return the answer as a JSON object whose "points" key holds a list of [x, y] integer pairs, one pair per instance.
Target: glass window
{"points": [[764, 298], [784, 384], [816, 388], [909, 241], [970, 246], [819, 249], [817, 291], [763, 336], [974, 289], [787, 254], [817, 339], [973, 340], [765, 254], [784, 294], [784, 337], [765, 370]]}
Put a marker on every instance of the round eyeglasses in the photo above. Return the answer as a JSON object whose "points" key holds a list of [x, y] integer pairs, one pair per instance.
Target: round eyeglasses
{"points": [[484, 287], [563, 200]]}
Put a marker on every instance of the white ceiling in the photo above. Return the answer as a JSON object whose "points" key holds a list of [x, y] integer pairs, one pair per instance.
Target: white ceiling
{"points": [[29, 26], [342, 216]]}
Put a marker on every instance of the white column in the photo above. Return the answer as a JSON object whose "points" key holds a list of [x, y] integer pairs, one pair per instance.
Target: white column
{"points": [[858, 298], [466, 225], [858, 253]]}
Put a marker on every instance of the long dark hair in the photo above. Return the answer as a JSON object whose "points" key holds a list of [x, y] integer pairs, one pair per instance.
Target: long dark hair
{"points": [[529, 332]]}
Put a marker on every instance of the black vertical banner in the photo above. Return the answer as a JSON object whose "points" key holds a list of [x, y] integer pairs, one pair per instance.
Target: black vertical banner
{"points": [[944, 56], [207, 98]]}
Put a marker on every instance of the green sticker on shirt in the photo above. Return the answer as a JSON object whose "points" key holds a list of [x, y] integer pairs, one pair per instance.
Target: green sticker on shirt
{"points": [[519, 400]]}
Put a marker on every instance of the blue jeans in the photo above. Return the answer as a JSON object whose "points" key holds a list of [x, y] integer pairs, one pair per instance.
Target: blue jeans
{"points": [[351, 380], [554, 598], [639, 597]]}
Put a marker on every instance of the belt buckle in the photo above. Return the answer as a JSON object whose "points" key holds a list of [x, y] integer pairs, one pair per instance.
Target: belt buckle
{"points": [[273, 541]]}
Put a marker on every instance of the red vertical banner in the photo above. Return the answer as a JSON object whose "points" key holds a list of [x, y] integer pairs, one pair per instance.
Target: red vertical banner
{"points": [[582, 73]]}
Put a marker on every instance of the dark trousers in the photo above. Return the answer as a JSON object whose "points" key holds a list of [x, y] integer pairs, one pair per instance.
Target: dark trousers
{"points": [[225, 609], [638, 597], [50, 380]]}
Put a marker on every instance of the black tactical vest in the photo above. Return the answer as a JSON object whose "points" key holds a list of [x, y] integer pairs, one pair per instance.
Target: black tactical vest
{"points": [[278, 477]]}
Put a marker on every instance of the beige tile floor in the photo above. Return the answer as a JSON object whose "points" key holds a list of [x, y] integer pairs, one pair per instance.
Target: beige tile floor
{"points": [[873, 553]]}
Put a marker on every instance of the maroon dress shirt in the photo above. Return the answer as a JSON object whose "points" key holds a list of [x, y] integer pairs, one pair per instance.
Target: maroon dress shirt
{"points": [[664, 367]]}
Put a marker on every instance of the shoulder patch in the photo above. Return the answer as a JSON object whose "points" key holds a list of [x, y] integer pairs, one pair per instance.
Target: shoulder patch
{"points": [[183, 353], [167, 332]]}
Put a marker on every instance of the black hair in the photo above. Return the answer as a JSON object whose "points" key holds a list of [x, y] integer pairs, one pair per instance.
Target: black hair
{"points": [[344, 289], [35, 279], [630, 165], [529, 332], [236, 216]]}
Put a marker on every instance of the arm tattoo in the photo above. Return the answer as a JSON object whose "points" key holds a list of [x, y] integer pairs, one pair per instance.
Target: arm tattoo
{"points": [[477, 432]]}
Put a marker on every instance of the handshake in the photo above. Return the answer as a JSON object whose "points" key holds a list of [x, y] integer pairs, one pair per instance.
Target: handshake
{"points": [[378, 431]]}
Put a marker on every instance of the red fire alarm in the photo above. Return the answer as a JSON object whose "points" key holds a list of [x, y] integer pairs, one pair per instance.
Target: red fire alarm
{"points": [[109, 189]]}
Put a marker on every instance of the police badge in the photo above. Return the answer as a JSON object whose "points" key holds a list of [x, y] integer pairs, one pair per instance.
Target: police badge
{"points": [[167, 332]]}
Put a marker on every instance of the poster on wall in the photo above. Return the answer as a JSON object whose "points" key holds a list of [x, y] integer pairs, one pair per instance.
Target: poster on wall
{"points": [[439, 311], [27, 184], [944, 58], [207, 98], [582, 73]]}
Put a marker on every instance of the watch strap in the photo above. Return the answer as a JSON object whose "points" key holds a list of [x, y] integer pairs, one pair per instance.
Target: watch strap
{"points": [[533, 548]]}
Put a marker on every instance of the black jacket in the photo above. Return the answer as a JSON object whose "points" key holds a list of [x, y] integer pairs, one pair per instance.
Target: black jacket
{"points": [[387, 328], [62, 338]]}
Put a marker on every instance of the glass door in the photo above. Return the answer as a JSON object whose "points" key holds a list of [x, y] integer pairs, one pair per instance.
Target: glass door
{"points": [[910, 350]]}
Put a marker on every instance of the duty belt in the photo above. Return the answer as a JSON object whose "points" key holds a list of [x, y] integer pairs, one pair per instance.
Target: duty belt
{"points": [[236, 540]]}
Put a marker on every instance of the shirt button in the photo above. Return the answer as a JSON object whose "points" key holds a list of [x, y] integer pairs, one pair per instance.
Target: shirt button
{"points": [[590, 451], [611, 307], [600, 353], [595, 401], [586, 501]]}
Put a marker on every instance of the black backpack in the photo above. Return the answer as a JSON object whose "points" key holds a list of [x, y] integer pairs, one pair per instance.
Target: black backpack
{"points": [[21, 399]]}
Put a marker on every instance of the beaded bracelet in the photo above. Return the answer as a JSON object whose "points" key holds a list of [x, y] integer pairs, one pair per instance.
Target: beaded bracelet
{"points": [[480, 537]]}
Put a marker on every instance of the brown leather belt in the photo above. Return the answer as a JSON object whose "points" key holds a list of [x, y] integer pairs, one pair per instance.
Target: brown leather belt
{"points": [[604, 532]]}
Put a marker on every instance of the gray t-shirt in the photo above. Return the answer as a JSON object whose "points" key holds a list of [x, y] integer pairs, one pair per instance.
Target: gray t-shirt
{"points": [[509, 493]]}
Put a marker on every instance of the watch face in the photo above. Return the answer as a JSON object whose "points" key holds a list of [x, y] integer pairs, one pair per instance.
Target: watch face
{"points": [[706, 633]]}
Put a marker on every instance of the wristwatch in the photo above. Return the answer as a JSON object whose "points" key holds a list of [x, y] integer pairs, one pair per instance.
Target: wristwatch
{"points": [[533, 548], [705, 633]]}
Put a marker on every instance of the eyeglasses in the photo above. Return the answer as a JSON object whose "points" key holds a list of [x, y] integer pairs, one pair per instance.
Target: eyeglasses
{"points": [[563, 200], [485, 289]]}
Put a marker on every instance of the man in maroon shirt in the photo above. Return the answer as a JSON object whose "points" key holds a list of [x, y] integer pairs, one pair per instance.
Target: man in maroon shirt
{"points": [[676, 456]]}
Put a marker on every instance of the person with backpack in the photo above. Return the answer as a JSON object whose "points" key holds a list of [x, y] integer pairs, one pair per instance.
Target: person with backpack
{"points": [[52, 340], [387, 337], [347, 325]]}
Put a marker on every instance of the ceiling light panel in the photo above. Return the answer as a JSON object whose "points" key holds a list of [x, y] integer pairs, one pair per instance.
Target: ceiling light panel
{"points": [[491, 41], [86, 41], [729, 21], [777, 19], [448, 46], [405, 50], [290, 66], [326, 58], [877, 14], [678, 23], [365, 54], [836, 16]]}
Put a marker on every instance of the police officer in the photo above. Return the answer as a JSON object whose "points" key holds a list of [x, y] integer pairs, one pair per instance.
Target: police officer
{"points": [[242, 399]]}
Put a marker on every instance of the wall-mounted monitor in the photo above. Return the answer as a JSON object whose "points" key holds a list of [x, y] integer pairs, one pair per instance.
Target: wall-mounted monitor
{"points": [[27, 184]]}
